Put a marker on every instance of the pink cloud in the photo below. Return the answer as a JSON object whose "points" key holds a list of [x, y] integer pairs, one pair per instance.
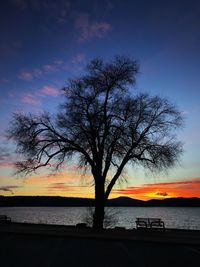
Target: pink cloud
{"points": [[38, 72], [49, 90], [4, 164], [90, 29], [30, 75], [6, 159], [30, 99], [35, 98]]}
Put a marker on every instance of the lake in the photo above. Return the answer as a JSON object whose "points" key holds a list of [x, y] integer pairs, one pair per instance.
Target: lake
{"points": [[174, 217]]}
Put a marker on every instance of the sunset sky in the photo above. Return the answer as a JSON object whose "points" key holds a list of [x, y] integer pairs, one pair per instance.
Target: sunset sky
{"points": [[43, 43]]}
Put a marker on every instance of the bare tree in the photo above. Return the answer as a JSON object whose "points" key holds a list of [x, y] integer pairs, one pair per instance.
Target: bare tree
{"points": [[104, 126]]}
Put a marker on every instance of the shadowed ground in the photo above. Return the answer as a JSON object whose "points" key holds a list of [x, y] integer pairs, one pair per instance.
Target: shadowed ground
{"points": [[38, 245]]}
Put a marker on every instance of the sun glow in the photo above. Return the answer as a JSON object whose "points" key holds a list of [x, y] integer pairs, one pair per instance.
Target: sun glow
{"points": [[187, 188]]}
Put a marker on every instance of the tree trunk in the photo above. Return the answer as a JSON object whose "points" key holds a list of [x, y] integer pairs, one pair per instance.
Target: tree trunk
{"points": [[98, 216]]}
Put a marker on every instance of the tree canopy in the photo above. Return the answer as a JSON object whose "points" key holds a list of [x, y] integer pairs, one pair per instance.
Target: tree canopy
{"points": [[105, 124]]}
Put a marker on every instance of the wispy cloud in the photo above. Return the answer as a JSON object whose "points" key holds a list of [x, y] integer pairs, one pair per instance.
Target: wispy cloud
{"points": [[3, 154], [61, 186], [49, 90], [50, 68], [25, 75], [69, 190], [4, 80], [31, 99], [6, 158], [49, 179], [185, 113], [89, 29], [35, 97], [9, 188], [67, 176], [79, 58], [77, 63], [74, 64], [29, 75], [73, 189], [59, 62], [163, 194], [186, 182]]}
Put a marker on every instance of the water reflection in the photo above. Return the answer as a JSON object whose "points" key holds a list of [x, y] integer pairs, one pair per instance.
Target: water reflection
{"points": [[182, 218]]}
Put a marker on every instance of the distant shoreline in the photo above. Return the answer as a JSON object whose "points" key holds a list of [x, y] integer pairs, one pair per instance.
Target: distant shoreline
{"points": [[51, 201]]}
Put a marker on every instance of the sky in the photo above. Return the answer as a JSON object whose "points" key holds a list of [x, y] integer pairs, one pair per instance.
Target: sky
{"points": [[43, 43]]}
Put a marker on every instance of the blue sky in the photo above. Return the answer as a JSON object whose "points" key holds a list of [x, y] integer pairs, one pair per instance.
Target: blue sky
{"points": [[43, 43]]}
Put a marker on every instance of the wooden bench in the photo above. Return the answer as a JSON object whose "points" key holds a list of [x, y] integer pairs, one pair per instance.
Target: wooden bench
{"points": [[4, 219], [149, 223]]}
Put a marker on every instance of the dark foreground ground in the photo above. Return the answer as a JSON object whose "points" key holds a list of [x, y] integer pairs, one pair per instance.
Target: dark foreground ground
{"points": [[39, 245]]}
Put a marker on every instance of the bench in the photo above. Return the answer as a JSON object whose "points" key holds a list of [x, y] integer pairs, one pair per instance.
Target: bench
{"points": [[4, 219], [149, 223]]}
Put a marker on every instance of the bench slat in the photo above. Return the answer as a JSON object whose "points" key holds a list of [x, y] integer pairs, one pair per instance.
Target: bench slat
{"points": [[149, 223]]}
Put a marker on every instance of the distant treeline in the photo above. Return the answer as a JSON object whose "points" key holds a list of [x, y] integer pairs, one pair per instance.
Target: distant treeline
{"points": [[51, 201], [44, 201]]}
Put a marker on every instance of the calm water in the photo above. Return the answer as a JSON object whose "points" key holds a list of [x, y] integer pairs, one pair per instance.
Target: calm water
{"points": [[182, 218]]}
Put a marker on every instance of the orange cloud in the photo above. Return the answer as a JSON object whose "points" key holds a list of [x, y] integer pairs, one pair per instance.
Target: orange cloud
{"points": [[63, 189], [188, 188], [67, 184]]}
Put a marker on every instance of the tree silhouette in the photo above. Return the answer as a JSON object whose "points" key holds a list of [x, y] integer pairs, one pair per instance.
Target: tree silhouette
{"points": [[103, 125]]}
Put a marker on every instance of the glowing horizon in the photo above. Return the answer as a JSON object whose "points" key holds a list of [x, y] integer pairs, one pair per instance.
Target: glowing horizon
{"points": [[72, 185]]}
